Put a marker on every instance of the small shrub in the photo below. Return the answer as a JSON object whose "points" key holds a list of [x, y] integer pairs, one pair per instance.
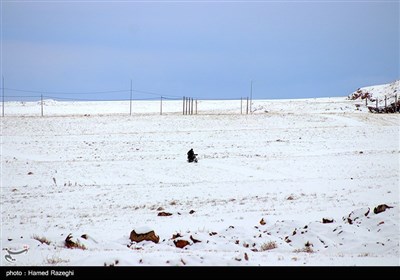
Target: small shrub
{"points": [[304, 250], [364, 255], [72, 244], [268, 246], [56, 260], [42, 239]]}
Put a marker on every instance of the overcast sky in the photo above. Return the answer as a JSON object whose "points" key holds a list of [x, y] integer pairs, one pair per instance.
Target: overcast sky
{"points": [[202, 49]]}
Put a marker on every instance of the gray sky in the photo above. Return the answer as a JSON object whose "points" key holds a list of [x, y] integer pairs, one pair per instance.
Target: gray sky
{"points": [[201, 49]]}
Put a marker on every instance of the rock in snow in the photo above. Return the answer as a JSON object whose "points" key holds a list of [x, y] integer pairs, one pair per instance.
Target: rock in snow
{"points": [[144, 234]]}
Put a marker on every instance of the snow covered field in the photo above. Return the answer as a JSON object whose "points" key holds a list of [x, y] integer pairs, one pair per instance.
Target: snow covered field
{"points": [[259, 193]]}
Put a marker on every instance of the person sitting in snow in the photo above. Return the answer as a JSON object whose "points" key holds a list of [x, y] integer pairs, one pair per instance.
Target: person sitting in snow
{"points": [[191, 156]]}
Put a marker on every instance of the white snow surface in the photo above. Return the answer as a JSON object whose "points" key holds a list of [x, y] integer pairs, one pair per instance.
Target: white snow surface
{"points": [[291, 163]]}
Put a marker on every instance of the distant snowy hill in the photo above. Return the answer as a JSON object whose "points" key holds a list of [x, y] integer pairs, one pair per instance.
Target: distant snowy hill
{"points": [[377, 92]]}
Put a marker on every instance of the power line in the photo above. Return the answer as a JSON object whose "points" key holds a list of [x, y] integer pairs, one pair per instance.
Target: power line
{"points": [[58, 92], [93, 92], [158, 94], [29, 96]]}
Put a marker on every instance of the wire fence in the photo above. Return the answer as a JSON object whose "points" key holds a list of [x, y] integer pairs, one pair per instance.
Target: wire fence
{"points": [[21, 102]]}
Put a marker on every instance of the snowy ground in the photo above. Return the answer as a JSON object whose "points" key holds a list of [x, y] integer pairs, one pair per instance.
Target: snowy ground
{"points": [[291, 163]]}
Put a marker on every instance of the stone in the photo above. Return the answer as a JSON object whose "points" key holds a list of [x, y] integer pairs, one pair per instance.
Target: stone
{"points": [[381, 208], [194, 240], [148, 236], [327, 221], [164, 214], [181, 243]]}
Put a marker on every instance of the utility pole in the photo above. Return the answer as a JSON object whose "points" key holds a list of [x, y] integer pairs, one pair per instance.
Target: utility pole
{"points": [[130, 102]]}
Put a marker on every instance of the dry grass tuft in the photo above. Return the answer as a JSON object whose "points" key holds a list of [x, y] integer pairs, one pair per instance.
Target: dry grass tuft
{"points": [[72, 244], [304, 250], [268, 246], [42, 239], [56, 260]]}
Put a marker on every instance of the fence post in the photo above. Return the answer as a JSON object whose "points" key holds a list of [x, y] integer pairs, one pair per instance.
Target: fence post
{"points": [[161, 106], [191, 108], [196, 106], [251, 96], [41, 103], [395, 103], [183, 105], [376, 104], [366, 101], [247, 105], [3, 96], [241, 105], [186, 105], [130, 102], [385, 104]]}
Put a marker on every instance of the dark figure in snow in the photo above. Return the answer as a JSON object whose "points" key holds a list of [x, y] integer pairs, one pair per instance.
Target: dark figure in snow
{"points": [[191, 156]]}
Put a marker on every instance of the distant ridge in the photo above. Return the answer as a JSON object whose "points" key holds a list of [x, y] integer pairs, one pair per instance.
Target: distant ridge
{"points": [[377, 92]]}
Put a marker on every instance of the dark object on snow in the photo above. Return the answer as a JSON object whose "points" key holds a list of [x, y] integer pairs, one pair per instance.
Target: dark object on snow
{"points": [[69, 243], [327, 220], [139, 237], [191, 156], [181, 243], [381, 208], [164, 214], [194, 240]]}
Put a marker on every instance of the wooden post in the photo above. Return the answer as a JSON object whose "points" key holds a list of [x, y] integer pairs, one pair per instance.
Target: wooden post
{"points": [[251, 95], [161, 106], [183, 104], [130, 102], [247, 105], [192, 107], [241, 105], [366, 101], [385, 102], [3, 96], [196, 106], [41, 103], [186, 105], [395, 103], [377, 103]]}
